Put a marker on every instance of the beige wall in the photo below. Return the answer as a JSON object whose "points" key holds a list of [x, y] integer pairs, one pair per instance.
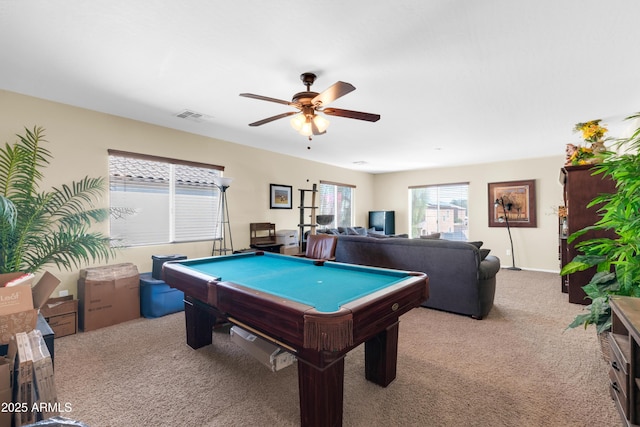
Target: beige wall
{"points": [[534, 248], [79, 140]]}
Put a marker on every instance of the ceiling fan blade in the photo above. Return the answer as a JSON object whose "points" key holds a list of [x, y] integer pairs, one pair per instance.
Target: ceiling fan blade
{"points": [[270, 119], [352, 114], [266, 98], [332, 93]]}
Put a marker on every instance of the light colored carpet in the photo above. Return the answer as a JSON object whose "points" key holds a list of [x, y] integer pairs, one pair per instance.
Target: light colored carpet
{"points": [[517, 367]]}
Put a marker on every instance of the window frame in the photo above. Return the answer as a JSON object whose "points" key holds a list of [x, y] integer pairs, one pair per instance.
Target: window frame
{"points": [[440, 216], [180, 228], [352, 196]]}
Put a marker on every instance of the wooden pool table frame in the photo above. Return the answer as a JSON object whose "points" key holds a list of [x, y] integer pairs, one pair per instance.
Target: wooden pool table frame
{"points": [[372, 320]]}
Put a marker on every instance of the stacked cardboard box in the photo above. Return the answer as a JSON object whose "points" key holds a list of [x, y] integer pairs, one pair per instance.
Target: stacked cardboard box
{"points": [[6, 389], [289, 250], [108, 295], [62, 315], [45, 386], [288, 239], [22, 368], [25, 393], [35, 396], [19, 304]]}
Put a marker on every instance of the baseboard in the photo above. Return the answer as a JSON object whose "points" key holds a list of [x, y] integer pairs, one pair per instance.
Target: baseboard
{"points": [[542, 270]]}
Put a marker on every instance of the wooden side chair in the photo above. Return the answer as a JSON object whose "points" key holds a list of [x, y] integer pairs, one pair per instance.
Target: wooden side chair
{"points": [[321, 247]]}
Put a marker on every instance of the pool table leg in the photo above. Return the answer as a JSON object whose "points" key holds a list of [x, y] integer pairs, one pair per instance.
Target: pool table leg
{"points": [[199, 323], [381, 356], [321, 394]]}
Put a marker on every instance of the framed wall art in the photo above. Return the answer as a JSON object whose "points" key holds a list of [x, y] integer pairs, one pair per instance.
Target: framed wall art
{"points": [[513, 200], [280, 196]]}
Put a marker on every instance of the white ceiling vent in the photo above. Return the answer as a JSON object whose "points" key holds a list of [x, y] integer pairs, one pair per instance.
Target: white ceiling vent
{"points": [[194, 116]]}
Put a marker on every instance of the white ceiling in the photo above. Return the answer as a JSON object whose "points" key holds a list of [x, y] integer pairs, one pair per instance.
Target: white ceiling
{"points": [[456, 82]]}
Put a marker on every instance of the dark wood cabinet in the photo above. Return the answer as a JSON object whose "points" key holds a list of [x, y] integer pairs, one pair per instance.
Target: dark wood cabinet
{"points": [[580, 188], [624, 363]]}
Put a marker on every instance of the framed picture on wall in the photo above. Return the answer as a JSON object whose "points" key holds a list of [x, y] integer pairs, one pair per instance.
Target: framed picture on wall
{"points": [[280, 196], [512, 201]]}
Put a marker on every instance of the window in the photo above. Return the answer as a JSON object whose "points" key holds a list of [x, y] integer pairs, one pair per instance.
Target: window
{"points": [[154, 200], [440, 209], [337, 200]]}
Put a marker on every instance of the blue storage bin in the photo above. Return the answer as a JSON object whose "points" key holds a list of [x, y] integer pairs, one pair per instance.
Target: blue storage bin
{"points": [[158, 260], [158, 299]]}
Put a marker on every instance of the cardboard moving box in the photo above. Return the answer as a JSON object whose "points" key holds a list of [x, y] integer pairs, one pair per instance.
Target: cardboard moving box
{"points": [[25, 393], [6, 388], [108, 295], [19, 304], [289, 250], [44, 381], [62, 315], [288, 238]]}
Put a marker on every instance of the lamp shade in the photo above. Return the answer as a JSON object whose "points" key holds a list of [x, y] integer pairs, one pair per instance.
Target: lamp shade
{"points": [[222, 181], [297, 121], [321, 123], [306, 129], [309, 124]]}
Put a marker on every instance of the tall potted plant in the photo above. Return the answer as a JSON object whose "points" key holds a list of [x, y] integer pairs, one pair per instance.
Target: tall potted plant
{"points": [[52, 227], [617, 260]]}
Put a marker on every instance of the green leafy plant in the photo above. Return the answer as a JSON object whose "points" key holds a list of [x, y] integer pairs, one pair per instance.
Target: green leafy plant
{"points": [[39, 228], [617, 260]]}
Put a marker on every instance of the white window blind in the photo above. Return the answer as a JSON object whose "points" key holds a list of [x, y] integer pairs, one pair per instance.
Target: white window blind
{"points": [[440, 209], [159, 201]]}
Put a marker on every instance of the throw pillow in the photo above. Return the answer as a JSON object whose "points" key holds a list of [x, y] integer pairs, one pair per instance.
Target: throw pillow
{"points": [[378, 235], [484, 253], [372, 232], [476, 244], [431, 236], [360, 230]]}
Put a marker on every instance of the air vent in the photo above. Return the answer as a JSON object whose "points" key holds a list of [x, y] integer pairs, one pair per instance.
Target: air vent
{"points": [[194, 116]]}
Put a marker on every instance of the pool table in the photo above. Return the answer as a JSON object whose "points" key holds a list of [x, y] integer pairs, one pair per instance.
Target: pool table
{"points": [[317, 310]]}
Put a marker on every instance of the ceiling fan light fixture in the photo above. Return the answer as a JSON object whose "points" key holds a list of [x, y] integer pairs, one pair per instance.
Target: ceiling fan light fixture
{"points": [[308, 124], [297, 121], [321, 123], [306, 129], [306, 121]]}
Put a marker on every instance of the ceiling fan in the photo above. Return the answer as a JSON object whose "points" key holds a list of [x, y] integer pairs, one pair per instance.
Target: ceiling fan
{"points": [[306, 120]]}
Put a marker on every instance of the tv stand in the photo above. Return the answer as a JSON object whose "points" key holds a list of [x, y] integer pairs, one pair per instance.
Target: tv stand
{"points": [[624, 366]]}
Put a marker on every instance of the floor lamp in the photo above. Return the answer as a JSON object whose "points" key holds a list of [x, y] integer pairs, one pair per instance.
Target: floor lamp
{"points": [[223, 218], [507, 206]]}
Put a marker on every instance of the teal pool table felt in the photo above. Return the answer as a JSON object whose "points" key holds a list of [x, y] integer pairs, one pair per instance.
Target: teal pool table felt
{"points": [[324, 287]]}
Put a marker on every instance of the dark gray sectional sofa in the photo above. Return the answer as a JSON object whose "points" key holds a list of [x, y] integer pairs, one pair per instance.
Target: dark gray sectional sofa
{"points": [[460, 281]]}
